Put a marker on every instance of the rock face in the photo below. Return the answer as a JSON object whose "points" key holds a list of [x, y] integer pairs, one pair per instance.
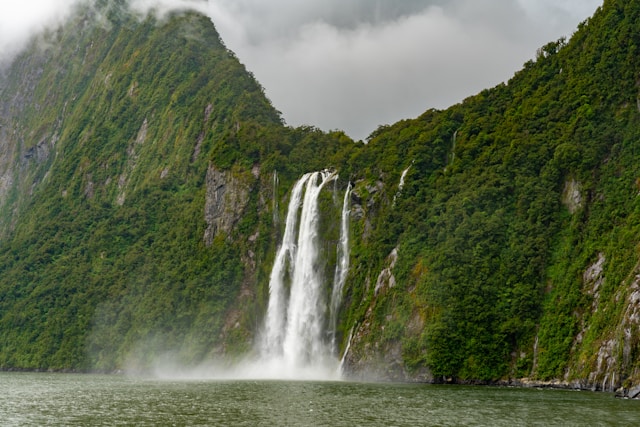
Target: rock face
{"points": [[572, 195], [7, 172], [377, 362], [226, 200], [383, 359], [39, 152], [386, 279]]}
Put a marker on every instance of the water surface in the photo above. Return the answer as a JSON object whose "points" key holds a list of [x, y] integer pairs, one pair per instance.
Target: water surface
{"points": [[75, 399]]}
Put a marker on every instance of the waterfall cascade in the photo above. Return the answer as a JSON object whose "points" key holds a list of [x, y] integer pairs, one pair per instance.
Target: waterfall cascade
{"points": [[401, 183], [294, 342], [402, 178], [275, 321], [342, 267]]}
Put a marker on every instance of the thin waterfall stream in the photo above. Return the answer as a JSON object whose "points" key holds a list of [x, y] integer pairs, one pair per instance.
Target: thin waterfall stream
{"points": [[342, 267]]}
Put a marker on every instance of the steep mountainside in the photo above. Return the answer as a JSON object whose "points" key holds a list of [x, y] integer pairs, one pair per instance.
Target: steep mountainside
{"points": [[134, 209], [144, 179], [511, 251]]}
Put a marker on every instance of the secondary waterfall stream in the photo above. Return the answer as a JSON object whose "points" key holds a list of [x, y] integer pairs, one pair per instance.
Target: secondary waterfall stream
{"points": [[342, 267], [299, 328]]}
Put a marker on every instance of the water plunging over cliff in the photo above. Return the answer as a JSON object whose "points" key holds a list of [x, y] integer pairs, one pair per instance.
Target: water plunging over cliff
{"points": [[294, 339], [342, 267]]}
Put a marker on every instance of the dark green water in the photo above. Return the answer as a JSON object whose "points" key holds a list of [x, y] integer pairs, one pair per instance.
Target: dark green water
{"points": [[68, 399]]}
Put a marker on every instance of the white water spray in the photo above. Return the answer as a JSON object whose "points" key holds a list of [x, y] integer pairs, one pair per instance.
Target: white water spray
{"points": [[303, 335], [275, 321], [294, 343], [346, 351], [403, 176]]}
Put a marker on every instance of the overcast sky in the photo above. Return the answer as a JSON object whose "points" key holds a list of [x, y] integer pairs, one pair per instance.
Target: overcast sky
{"points": [[357, 64]]}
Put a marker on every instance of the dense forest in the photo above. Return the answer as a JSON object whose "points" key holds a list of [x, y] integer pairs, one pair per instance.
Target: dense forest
{"points": [[143, 172], [517, 228]]}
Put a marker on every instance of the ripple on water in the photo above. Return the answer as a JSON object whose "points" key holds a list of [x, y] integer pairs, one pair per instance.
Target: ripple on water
{"points": [[67, 399]]}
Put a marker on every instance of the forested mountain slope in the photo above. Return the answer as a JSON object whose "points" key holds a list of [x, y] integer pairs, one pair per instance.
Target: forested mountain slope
{"points": [[144, 177], [516, 231], [122, 141]]}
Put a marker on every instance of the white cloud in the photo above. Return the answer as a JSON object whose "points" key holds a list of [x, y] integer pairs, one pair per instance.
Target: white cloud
{"points": [[19, 20], [164, 6], [318, 70], [356, 64], [359, 78]]}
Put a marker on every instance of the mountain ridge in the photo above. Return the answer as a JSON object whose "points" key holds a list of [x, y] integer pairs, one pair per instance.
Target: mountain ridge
{"points": [[142, 173]]}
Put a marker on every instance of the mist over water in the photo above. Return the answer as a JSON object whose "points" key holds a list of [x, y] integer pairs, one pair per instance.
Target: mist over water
{"points": [[250, 368], [298, 338]]}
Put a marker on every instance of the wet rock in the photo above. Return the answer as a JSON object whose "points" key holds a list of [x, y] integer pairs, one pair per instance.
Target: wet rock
{"points": [[634, 392], [226, 200], [572, 196]]}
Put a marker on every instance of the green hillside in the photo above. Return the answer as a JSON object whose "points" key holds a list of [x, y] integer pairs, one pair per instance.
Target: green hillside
{"points": [[517, 228], [139, 210], [115, 130]]}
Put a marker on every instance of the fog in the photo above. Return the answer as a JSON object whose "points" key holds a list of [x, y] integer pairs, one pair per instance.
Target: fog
{"points": [[355, 64]]}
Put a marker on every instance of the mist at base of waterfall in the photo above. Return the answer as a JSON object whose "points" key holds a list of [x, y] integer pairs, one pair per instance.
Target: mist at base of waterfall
{"points": [[250, 368], [297, 340]]}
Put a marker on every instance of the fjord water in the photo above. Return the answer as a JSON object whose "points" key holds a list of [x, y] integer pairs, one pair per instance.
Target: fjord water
{"points": [[35, 399]]}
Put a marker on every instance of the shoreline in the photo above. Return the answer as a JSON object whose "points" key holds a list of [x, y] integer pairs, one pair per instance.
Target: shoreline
{"points": [[621, 392]]}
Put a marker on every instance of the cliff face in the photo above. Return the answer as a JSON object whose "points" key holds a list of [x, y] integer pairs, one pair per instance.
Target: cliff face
{"points": [[144, 177], [515, 228], [225, 203], [137, 195], [108, 192]]}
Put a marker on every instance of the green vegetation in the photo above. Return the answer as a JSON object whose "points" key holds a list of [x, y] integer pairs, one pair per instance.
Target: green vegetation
{"points": [[492, 255], [104, 265], [509, 198]]}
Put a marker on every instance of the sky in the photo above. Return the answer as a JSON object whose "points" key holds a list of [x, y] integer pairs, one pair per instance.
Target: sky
{"points": [[356, 64]]}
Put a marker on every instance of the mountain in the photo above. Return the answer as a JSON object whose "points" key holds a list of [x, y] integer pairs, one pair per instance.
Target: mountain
{"points": [[122, 141], [145, 179], [514, 238]]}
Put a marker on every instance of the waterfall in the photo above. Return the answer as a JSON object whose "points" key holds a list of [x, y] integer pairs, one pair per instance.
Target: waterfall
{"points": [[294, 335], [275, 320], [402, 178], [303, 334], [346, 351], [342, 266]]}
